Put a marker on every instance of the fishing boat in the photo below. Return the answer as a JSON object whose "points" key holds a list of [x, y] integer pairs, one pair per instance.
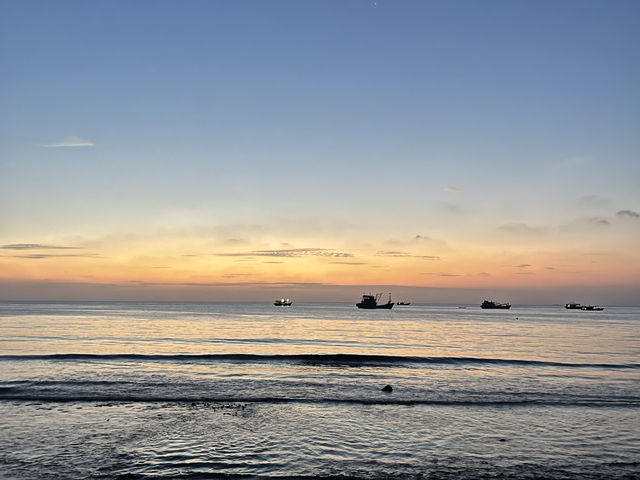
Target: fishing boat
{"points": [[283, 302], [371, 302], [573, 306], [403, 303], [495, 305], [592, 308]]}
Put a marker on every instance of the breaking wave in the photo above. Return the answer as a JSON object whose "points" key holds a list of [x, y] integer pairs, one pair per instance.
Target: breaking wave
{"points": [[316, 359]]}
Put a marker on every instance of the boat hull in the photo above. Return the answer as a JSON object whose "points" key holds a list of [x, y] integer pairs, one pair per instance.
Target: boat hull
{"points": [[386, 306]]}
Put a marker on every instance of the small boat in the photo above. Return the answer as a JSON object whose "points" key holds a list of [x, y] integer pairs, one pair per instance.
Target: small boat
{"points": [[283, 302], [491, 304], [371, 302], [403, 303], [592, 308], [573, 306]]}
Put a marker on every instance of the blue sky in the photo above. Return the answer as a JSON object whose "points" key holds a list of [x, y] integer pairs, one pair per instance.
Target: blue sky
{"points": [[320, 117]]}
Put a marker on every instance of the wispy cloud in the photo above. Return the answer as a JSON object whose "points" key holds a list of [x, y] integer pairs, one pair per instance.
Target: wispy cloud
{"points": [[522, 265], [40, 256], [227, 284], [628, 213], [349, 263], [36, 246], [441, 274], [431, 241], [520, 228], [72, 142], [396, 254], [450, 188], [601, 221], [288, 253]]}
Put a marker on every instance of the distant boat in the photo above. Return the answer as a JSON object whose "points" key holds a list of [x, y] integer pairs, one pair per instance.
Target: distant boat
{"points": [[490, 304], [403, 303], [573, 306], [371, 302], [283, 302], [592, 308]]}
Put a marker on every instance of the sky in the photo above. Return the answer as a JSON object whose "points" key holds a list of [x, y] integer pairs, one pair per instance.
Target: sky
{"points": [[245, 150]]}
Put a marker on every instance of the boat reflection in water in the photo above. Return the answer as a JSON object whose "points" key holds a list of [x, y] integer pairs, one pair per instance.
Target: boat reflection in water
{"points": [[371, 302]]}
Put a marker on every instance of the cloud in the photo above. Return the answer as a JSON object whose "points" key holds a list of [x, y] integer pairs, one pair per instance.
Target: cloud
{"points": [[597, 221], [235, 241], [36, 246], [450, 188], [441, 274], [228, 284], [288, 253], [40, 256], [520, 228], [628, 213], [72, 142], [349, 263], [431, 241], [522, 265], [392, 253]]}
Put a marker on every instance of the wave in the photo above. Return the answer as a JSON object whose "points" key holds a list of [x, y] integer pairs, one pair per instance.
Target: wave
{"points": [[232, 401], [315, 359]]}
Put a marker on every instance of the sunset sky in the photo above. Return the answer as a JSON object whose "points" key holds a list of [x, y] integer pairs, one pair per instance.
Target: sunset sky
{"points": [[242, 150]]}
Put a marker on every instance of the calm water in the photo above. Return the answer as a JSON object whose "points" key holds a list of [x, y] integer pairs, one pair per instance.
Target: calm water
{"points": [[189, 390]]}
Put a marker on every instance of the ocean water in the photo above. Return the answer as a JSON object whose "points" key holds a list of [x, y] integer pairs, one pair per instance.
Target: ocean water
{"points": [[248, 390]]}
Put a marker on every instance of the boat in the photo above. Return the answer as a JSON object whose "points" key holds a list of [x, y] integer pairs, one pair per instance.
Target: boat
{"points": [[371, 302], [283, 302], [591, 308], [491, 304], [573, 306], [403, 303]]}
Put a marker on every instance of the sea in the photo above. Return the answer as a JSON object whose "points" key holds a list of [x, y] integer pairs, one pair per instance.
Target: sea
{"points": [[251, 390]]}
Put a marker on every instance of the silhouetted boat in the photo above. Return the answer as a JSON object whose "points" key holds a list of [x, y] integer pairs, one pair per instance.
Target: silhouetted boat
{"points": [[592, 308], [283, 302], [573, 306], [490, 304], [371, 302], [403, 303]]}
